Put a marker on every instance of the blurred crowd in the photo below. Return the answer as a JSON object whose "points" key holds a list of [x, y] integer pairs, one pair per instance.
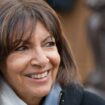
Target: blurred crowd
{"points": [[96, 36]]}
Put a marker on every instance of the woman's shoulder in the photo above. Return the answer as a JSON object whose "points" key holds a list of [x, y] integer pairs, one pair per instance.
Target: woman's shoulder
{"points": [[77, 95]]}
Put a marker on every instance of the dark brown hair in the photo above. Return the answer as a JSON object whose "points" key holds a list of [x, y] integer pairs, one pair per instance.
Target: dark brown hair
{"points": [[14, 15]]}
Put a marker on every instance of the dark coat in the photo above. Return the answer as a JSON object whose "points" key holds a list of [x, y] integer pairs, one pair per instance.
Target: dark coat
{"points": [[76, 95]]}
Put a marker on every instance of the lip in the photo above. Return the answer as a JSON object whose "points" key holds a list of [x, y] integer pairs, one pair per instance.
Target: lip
{"points": [[39, 72], [38, 81]]}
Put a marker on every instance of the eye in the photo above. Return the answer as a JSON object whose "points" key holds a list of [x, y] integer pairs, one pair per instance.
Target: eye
{"points": [[21, 48], [50, 44]]}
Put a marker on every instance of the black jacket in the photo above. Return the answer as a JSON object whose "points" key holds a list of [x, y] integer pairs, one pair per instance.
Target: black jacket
{"points": [[76, 95]]}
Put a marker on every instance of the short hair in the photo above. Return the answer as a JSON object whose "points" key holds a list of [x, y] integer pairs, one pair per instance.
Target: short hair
{"points": [[14, 15]]}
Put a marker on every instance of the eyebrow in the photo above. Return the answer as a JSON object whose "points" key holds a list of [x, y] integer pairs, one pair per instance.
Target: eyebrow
{"points": [[48, 37]]}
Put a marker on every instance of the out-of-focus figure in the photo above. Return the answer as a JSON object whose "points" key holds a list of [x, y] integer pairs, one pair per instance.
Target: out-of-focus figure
{"points": [[95, 4], [61, 5], [96, 37]]}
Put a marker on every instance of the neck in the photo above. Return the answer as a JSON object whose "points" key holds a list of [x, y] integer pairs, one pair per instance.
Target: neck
{"points": [[33, 101]]}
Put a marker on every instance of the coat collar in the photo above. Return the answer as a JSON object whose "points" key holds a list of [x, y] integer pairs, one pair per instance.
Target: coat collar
{"points": [[53, 96], [8, 96], [72, 95]]}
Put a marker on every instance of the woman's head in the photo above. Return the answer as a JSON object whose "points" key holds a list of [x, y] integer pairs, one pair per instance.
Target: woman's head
{"points": [[20, 20]]}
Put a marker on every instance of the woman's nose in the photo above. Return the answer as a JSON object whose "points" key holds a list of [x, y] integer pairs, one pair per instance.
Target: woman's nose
{"points": [[39, 59]]}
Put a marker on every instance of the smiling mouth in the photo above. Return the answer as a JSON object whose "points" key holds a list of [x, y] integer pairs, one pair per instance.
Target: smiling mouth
{"points": [[38, 76]]}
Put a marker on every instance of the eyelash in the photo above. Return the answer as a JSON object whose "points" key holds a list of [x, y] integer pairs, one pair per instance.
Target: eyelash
{"points": [[50, 44], [47, 44], [21, 48]]}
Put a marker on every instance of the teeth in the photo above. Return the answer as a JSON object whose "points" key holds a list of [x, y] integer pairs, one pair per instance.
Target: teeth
{"points": [[39, 76]]}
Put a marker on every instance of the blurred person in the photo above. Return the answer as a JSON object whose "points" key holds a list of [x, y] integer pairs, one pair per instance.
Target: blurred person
{"points": [[36, 64], [95, 4], [96, 36]]}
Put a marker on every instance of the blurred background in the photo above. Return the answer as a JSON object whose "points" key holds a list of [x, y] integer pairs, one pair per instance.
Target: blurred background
{"points": [[84, 24]]}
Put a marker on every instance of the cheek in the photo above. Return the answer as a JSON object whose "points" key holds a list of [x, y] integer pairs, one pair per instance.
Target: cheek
{"points": [[17, 62], [54, 58]]}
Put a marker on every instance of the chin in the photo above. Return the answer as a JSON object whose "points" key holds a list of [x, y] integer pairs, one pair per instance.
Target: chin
{"points": [[45, 91], [41, 91]]}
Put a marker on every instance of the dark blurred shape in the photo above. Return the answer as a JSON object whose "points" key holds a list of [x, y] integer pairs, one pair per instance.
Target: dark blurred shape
{"points": [[95, 4], [62, 5], [96, 37]]}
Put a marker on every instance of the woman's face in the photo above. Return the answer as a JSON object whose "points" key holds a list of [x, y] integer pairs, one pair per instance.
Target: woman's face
{"points": [[32, 68]]}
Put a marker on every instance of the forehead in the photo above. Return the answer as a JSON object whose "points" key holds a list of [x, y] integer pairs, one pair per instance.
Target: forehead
{"points": [[21, 31], [24, 26], [40, 31], [36, 31]]}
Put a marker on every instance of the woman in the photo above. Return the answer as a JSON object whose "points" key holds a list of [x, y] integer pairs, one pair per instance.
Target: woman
{"points": [[36, 65]]}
